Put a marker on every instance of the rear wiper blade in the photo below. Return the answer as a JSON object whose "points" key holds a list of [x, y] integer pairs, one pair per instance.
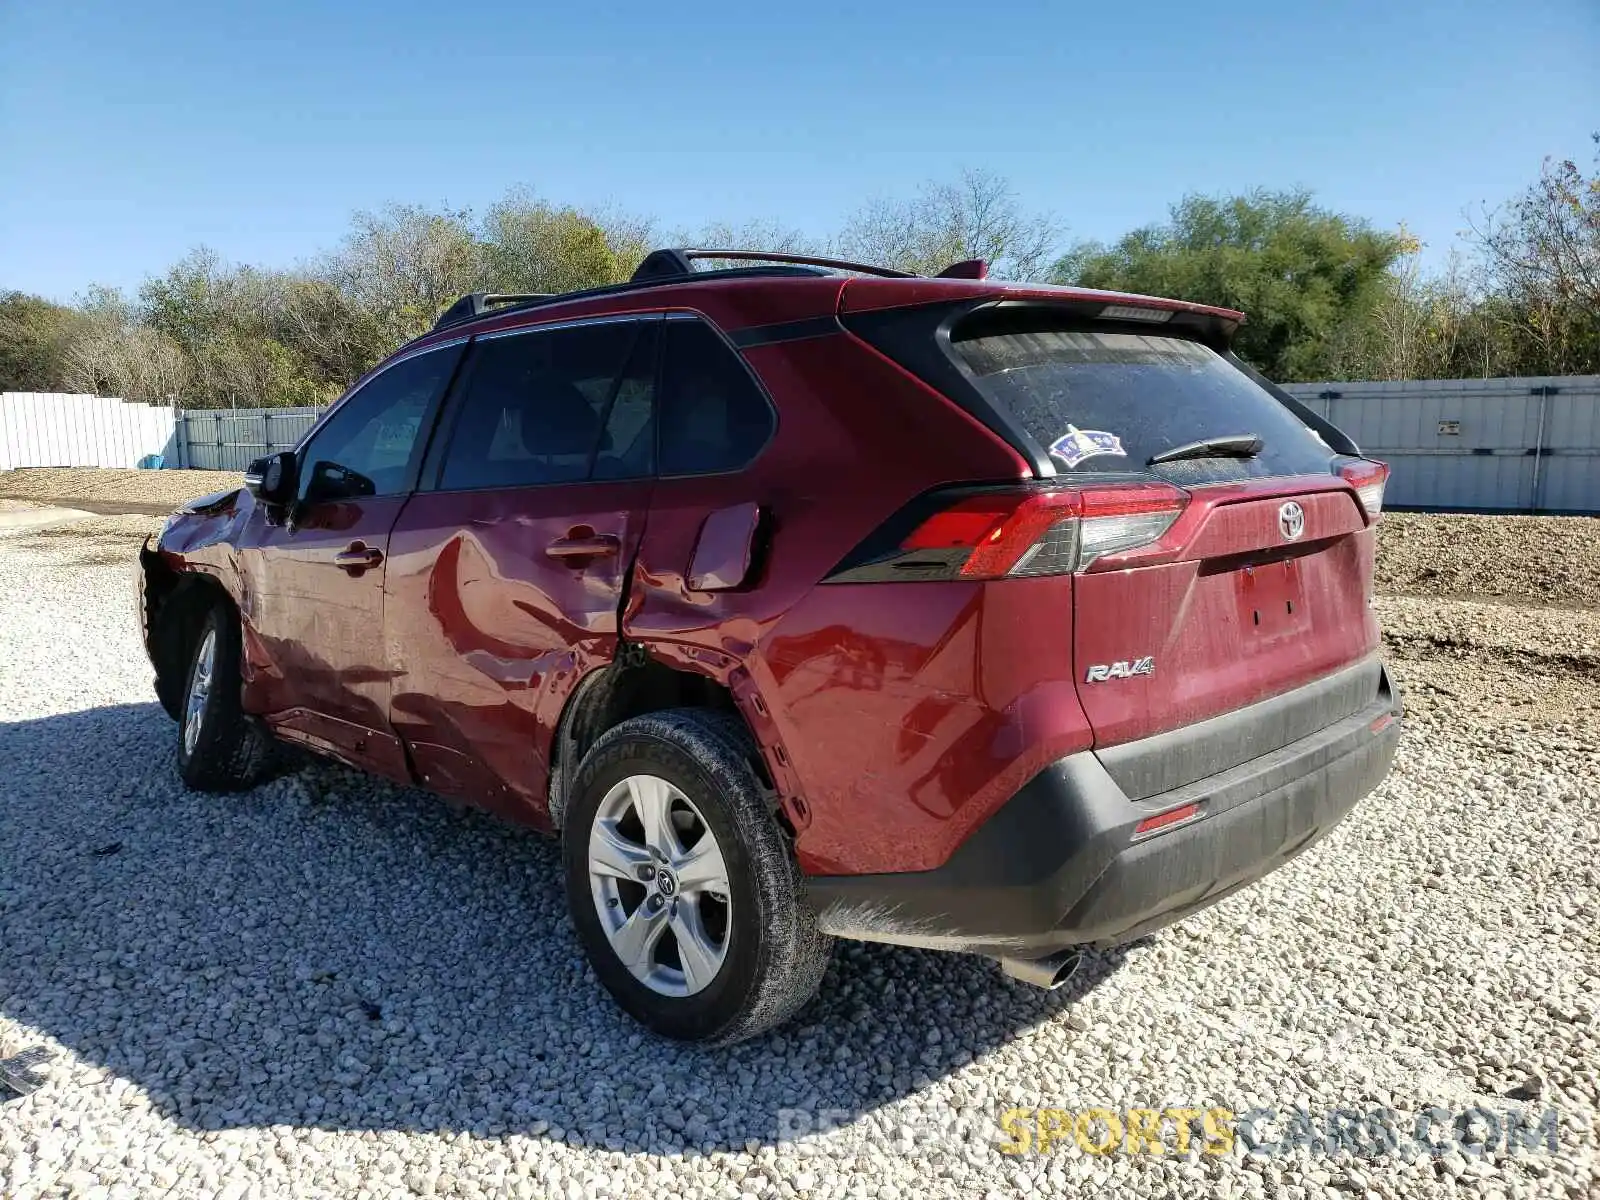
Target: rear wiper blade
{"points": [[1234, 445]]}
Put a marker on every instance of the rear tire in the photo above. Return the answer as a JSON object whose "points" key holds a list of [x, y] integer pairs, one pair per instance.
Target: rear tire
{"points": [[729, 949], [219, 748]]}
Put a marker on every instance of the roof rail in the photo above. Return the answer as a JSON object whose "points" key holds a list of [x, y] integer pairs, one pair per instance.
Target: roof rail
{"points": [[661, 265], [676, 266], [478, 303]]}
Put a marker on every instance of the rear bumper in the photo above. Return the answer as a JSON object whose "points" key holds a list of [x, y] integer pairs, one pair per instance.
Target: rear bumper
{"points": [[1061, 864]]}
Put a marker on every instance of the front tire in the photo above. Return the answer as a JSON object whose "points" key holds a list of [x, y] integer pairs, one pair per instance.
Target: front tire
{"points": [[219, 748], [681, 883]]}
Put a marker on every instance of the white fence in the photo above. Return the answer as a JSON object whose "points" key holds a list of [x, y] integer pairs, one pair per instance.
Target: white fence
{"points": [[49, 429], [54, 429]]}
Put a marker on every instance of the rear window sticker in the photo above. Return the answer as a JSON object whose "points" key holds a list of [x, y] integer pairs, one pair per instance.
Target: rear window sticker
{"points": [[1075, 445]]}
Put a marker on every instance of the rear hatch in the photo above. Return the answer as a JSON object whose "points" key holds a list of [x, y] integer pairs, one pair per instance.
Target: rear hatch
{"points": [[1223, 552]]}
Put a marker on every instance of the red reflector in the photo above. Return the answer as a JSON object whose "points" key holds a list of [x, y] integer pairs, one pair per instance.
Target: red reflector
{"points": [[1170, 817], [1382, 723]]}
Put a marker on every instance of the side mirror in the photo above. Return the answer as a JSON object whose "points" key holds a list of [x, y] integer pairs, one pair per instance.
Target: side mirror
{"points": [[272, 478], [330, 481]]}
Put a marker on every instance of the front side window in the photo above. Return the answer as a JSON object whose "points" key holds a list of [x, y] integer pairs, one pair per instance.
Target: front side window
{"points": [[713, 416], [369, 444], [556, 406]]}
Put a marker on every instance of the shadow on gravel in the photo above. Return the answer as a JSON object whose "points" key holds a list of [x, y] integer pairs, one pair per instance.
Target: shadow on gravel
{"points": [[333, 952]]}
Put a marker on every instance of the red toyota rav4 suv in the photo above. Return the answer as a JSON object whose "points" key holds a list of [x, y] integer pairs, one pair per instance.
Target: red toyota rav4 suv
{"points": [[807, 599]]}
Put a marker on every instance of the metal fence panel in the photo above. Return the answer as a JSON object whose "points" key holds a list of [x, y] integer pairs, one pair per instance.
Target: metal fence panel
{"points": [[1571, 479], [228, 439], [1513, 445]]}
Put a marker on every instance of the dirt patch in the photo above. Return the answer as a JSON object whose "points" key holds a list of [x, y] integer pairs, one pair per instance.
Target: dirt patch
{"points": [[113, 489], [1460, 686], [20, 515], [1551, 560], [1531, 663], [84, 541]]}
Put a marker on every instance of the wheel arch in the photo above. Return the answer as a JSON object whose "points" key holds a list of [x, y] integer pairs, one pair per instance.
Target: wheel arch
{"points": [[176, 602], [637, 682]]}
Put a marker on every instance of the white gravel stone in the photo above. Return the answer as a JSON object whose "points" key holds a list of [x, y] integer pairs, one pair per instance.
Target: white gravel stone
{"points": [[333, 987]]}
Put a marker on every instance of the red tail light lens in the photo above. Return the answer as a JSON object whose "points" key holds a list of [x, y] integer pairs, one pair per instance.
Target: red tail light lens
{"points": [[1035, 532], [1367, 476]]}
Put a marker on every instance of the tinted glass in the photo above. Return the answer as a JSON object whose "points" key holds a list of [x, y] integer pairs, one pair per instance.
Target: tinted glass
{"points": [[545, 407], [628, 446], [713, 417], [377, 431], [1109, 401]]}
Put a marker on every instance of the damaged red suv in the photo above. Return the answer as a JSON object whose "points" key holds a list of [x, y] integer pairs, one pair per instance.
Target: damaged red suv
{"points": [[805, 599]]}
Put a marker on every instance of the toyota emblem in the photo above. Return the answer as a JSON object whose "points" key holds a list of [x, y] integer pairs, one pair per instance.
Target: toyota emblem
{"points": [[1291, 520]]}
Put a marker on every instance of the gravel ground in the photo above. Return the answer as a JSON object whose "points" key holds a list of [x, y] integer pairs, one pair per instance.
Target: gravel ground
{"points": [[330, 986], [112, 487], [1554, 560]]}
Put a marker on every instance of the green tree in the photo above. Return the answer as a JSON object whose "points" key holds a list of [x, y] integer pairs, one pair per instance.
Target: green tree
{"points": [[1542, 252], [403, 265], [1298, 271], [528, 245], [34, 336], [237, 331], [337, 339], [113, 353]]}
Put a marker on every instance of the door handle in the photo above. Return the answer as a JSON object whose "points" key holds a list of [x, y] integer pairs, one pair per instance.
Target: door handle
{"points": [[596, 546], [357, 557]]}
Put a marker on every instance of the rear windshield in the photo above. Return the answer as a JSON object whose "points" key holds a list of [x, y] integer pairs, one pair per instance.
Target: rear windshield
{"points": [[1103, 401]]}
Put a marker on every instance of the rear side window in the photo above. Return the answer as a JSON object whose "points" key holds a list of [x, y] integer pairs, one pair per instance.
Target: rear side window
{"points": [[713, 416], [559, 406], [1109, 401]]}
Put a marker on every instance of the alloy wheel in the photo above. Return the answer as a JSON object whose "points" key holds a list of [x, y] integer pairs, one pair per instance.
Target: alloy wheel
{"points": [[660, 885], [194, 708]]}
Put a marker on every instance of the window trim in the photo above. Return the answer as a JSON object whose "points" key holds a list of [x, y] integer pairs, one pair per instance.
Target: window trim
{"points": [[425, 429], [774, 416], [430, 476]]}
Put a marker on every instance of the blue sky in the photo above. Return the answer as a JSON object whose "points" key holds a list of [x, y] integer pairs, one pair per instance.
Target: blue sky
{"points": [[130, 133]]}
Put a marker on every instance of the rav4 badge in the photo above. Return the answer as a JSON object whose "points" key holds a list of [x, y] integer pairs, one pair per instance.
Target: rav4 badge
{"points": [[1121, 670]]}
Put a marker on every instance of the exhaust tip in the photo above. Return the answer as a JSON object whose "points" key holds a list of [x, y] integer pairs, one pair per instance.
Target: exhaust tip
{"points": [[1049, 972]]}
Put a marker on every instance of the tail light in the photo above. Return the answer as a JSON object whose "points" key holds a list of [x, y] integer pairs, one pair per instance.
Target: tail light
{"points": [[1013, 533], [1367, 477]]}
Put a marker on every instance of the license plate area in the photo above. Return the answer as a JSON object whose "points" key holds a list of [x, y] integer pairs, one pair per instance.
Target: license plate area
{"points": [[1271, 600]]}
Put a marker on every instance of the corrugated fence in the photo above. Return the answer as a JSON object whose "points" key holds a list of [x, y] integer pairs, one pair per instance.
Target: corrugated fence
{"points": [[1508, 445], [48, 429], [53, 429], [227, 439]]}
